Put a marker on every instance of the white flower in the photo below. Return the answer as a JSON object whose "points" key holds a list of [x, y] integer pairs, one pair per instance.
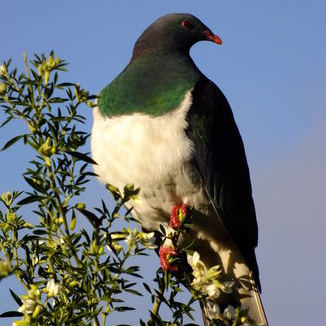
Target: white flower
{"points": [[229, 312], [117, 247], [147, 240], [131, 240], [216, 309], [194, 259], [212, 290], [28, 306], [205, 280], [212, 310], [52, 288], [228, 287]]}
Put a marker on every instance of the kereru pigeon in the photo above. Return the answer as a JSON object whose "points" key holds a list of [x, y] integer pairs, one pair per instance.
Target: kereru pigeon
{"points": [[166, 128]]}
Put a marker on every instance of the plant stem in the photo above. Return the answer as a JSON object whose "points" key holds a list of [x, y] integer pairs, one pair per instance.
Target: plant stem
{"points": [[157, 303], [64, 217], [96, 321], [105, 313]]}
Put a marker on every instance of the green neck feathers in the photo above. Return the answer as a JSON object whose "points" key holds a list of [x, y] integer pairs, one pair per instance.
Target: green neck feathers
{"points": [[152, 84]]}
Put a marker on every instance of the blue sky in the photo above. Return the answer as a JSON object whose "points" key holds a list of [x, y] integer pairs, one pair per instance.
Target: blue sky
{"points": [[272, 69]]}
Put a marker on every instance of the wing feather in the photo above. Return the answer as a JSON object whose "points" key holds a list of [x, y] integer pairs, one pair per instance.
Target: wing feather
{"points": [[220, 158]]}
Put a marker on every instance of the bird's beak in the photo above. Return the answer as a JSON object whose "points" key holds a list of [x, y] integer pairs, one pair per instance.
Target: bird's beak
{"points": [[212, 37]]}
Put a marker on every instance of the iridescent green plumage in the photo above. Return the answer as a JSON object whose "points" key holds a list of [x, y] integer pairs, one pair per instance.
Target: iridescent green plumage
{"points": [[149, 84]]}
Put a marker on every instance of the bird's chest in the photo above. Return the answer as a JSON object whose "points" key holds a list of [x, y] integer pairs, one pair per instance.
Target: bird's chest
{"points": [[152, 153]]}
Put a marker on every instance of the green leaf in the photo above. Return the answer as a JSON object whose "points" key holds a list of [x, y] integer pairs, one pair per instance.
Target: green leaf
{"points": [[134, 292], [65, 85], [147, 288], [91, 217], [11, 142], [81, 157], [57, 100], [39, 232], [30, 199], [16, 297], [6, 121], [34, 184], [123, 308], [11, 314]]}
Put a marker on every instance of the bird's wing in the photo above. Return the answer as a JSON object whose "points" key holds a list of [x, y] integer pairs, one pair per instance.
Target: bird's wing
{"points": [[220, 157]]}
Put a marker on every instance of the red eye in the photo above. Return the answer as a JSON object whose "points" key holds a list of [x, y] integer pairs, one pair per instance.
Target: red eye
{"points": [[187, 24]]}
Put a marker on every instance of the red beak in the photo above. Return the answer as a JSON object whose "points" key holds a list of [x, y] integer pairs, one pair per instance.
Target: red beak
{"points": [[212, 37]]}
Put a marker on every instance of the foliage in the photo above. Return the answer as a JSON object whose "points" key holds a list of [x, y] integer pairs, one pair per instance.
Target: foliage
{"points": [[72, 275]]}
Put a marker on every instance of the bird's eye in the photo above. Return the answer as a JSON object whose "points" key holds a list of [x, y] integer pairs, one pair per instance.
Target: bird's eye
{"points": [[187, 24]]}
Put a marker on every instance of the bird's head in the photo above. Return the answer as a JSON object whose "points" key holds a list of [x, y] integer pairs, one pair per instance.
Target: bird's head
{"points": [[173, 32]]}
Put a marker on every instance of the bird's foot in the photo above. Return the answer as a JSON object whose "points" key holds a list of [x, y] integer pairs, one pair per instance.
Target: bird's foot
{"points": [[178, 215]]}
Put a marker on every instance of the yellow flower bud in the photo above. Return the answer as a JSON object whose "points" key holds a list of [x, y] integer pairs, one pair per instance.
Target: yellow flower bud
{"points": [[3, 70], [243, 319], [40, 69], [47, 161], [6, 227], [11, 217], [28, 225], [60, 220], [73, 223], [46, 148], [3, 88], [31, 127], [101, 250], [94, 247], [5, 268], [46, 76], [7, 198], [37, 311], [80, 206], [74, 283]]}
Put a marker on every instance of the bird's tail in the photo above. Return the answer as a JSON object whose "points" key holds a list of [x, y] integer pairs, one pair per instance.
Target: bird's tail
{"points": [[245, 294]]}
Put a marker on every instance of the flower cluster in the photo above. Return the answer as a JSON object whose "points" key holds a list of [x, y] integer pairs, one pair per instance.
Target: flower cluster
{"points": [[52, 288], [214, 312], [6, 198], [81, 94], [45, 68], [207, 281], [3, 73], [132, 238], [31, 307], [3, 88], [5, 268]]}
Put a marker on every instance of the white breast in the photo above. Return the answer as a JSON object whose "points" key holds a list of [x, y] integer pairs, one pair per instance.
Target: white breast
{"points": [[152, 153]]}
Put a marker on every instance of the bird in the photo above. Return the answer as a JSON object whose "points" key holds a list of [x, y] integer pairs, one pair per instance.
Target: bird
{"points": [[163, 126]]}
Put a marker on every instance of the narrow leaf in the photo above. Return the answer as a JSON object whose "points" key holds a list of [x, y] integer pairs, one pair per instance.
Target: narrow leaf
{"points": [[16, 297], [34, 185], [11, 142], [82, 157], [91, 217], [11, 314], [29, 199]]}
